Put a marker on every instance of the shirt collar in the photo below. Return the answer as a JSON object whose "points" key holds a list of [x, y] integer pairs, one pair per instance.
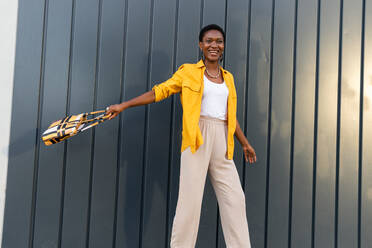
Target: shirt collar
{"points": [[200, 64]]}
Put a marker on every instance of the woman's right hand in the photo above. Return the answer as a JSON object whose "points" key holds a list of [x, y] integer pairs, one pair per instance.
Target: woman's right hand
{"points": [[114, 110]]}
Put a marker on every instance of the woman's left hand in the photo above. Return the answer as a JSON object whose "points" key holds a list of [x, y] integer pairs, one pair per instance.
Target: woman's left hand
{"points": [[249, 153]]}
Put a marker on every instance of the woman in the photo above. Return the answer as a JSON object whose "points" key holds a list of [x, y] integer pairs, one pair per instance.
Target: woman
{"points": [[209, 102]]}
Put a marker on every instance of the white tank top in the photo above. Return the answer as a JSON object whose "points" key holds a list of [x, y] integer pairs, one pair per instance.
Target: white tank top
{"points": [[214, 100]]}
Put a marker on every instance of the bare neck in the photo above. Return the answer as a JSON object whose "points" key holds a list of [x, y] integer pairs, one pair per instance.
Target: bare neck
{"points": [[211, 66]]}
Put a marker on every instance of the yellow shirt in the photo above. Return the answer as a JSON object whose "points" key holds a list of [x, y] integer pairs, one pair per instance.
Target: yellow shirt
{"points": [[188, 81]]}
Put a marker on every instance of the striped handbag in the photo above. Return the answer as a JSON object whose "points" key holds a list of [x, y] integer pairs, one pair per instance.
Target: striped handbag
{"points": [[72, 125]]}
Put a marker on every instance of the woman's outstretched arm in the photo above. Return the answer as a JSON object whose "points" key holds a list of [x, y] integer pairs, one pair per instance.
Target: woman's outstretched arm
{"points": [[156, 94], [145, 98]]}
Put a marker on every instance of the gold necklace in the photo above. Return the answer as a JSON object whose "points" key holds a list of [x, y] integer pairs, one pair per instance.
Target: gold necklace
{"points": [[218, 75]]}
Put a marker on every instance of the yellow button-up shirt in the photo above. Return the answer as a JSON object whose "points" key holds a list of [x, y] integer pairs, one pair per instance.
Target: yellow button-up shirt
{"points": [[188, 81]]}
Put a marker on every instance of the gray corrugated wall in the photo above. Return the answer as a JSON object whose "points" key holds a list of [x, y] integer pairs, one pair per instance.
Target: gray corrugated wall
{"points": [[303, 73]]}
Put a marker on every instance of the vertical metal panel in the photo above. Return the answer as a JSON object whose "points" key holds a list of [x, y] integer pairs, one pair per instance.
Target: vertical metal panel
{"points": [[24, 136], [278, 212], [121, 234], [303, 119], [134, 134], [49, 179], [347, 219], [366, 172], [257, 117], [214, 12], [236, 53], [156, 182], [326, 126], [78, 168], [103, 196]]}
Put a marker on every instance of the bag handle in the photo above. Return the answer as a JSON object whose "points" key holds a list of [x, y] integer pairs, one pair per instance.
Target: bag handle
{"points": [[96, 112], [100, 117]]}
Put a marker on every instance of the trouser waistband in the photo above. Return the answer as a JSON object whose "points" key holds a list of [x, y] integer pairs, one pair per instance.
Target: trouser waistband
{"points": [[212, 119]]}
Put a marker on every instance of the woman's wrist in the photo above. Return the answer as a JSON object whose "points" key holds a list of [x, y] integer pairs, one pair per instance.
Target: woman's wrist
{"points": [[123, 106], [245, 142]]}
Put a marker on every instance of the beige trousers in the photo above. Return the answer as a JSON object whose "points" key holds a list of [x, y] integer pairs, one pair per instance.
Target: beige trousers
{"points": [[211, 158]]}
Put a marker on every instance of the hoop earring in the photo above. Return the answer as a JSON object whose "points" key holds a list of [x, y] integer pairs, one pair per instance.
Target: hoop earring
{"points": [[221, 57]]}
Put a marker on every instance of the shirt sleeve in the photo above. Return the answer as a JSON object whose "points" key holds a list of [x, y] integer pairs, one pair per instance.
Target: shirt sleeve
{"points": [[169, 87]]}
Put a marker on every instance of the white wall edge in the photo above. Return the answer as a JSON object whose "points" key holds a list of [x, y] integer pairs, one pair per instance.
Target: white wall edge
{"points": [[8, 29]]}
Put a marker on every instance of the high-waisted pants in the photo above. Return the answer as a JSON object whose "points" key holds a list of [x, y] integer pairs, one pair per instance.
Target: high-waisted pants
{"points": [[210, 158]]}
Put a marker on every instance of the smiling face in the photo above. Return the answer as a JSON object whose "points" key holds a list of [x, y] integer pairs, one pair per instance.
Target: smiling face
{"points": [[212, 45]]}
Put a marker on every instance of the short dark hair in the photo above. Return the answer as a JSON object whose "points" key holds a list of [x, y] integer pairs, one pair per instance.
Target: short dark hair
{"points": [[211, 27]]}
